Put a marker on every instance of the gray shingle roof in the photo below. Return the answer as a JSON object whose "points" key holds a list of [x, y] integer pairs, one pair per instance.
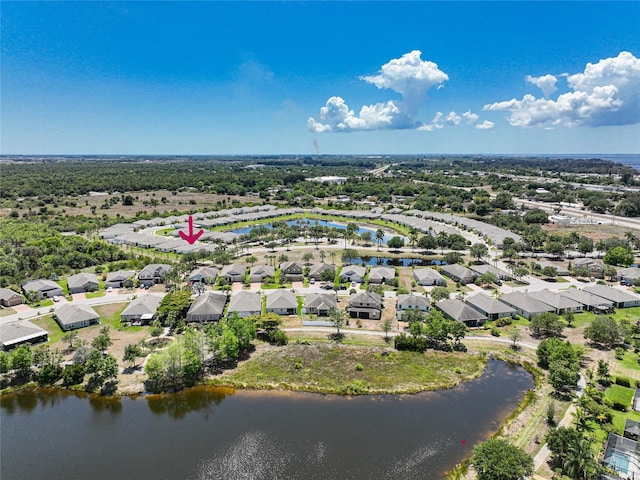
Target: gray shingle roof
{"points": [[413, 301], [142, 305], [211, 304], [281, 299], [245, 301], [460, 311], [71, 313], [489, 305]]}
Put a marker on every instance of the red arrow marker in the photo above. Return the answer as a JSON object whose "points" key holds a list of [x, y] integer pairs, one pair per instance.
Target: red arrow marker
{"points": [[191, 237]]}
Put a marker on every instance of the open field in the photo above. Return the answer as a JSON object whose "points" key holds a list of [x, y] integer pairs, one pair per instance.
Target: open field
{"points": [[350, 369]]}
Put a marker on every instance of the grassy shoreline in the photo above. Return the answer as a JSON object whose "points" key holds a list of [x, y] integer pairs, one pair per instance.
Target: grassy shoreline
{"points": [[352, 370]]}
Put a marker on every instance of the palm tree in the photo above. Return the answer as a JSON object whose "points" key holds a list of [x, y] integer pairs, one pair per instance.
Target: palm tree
{"points": [[333, 257], [379, 237], [579, 462], [413, 238], [323, 255]]}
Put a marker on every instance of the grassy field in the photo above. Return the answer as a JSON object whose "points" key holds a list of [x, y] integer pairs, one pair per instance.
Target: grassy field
{"points": [[348, 369], [110, 315], [51, 326], [99, 293]]}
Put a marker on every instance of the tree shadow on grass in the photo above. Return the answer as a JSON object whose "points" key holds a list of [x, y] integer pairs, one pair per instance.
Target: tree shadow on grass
{"points": [[336, 337]]}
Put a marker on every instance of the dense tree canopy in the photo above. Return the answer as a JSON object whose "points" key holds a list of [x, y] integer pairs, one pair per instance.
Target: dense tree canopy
{"points": [[498, 459]]}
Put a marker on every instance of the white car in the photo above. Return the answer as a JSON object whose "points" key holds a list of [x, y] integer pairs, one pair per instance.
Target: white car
{"points": [[55, 298], [109, 289]]}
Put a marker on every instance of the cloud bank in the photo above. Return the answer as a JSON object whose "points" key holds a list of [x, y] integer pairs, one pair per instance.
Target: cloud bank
{"points": [[411, 77], [606, 93]]}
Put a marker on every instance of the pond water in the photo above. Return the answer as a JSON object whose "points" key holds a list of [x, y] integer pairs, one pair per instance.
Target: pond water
{"points": [[324, 223], [214, 433], [398, 262]]}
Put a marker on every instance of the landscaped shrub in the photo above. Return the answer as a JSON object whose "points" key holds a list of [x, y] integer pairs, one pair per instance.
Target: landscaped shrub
{"points": [[495, 332], [459, 347], [621, 407], [623, 382], [503, 322], [278, 337], [619, 353], [359, 367]]}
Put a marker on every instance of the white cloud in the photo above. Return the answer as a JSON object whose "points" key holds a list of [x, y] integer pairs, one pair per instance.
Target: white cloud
{"points": [[546, 83], [409, 75], [470, 118], [453, 119], [606, 93], [485, 125]]}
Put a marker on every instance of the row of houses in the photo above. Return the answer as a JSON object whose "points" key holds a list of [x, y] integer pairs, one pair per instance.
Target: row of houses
{"points": [[425, 222], [477, 309]]}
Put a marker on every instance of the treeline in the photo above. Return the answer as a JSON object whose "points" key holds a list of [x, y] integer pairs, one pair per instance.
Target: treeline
{"points": [[188, 357], [81, 177], [34, 250]]}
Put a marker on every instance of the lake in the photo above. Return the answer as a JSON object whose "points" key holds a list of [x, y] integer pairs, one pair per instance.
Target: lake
{"points": [[323, 223], [214, 433]]}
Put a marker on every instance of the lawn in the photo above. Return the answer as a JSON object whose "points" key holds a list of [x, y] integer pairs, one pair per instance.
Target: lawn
{"points": [[110, 316], [347, 369], [51, 326], [4, 311], [618, 393], [99, 293], [630, 314]]}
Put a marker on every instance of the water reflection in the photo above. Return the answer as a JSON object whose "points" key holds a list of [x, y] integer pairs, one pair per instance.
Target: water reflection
{"points": [[177, 405], [208, 432]]}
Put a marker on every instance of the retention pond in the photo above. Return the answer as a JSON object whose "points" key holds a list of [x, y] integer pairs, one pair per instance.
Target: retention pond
{"points": [[214, 433]]}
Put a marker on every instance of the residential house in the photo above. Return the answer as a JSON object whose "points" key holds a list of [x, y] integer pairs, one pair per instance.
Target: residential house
{"points": [[321, 304], [120, 279], [379, 275], [245, 303], [352, 273], [258, 273], [482, 269], [590, 302], [292, 271], [623, 456], [234, 273], [524, 304], [365, 305], [142, 309], [153, 273], [203, 275], [559, 303], [42, 288], [459, 311], [73, 315], [428, 277], [628, 276], [594, 265], [208, 307], [620, 298], [14, 334], [458, 273], [316, 270], [561, 270], [82, 282], [411, 302], [631, 429], [282, 302], [9, 298], [490, 307], [635, 403]]}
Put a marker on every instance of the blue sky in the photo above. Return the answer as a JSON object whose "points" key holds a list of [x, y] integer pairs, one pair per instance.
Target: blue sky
{"points": [[328, 77]]}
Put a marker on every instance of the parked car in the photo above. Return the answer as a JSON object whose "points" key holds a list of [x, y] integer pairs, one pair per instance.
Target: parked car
{"points": [[55, 298]]}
